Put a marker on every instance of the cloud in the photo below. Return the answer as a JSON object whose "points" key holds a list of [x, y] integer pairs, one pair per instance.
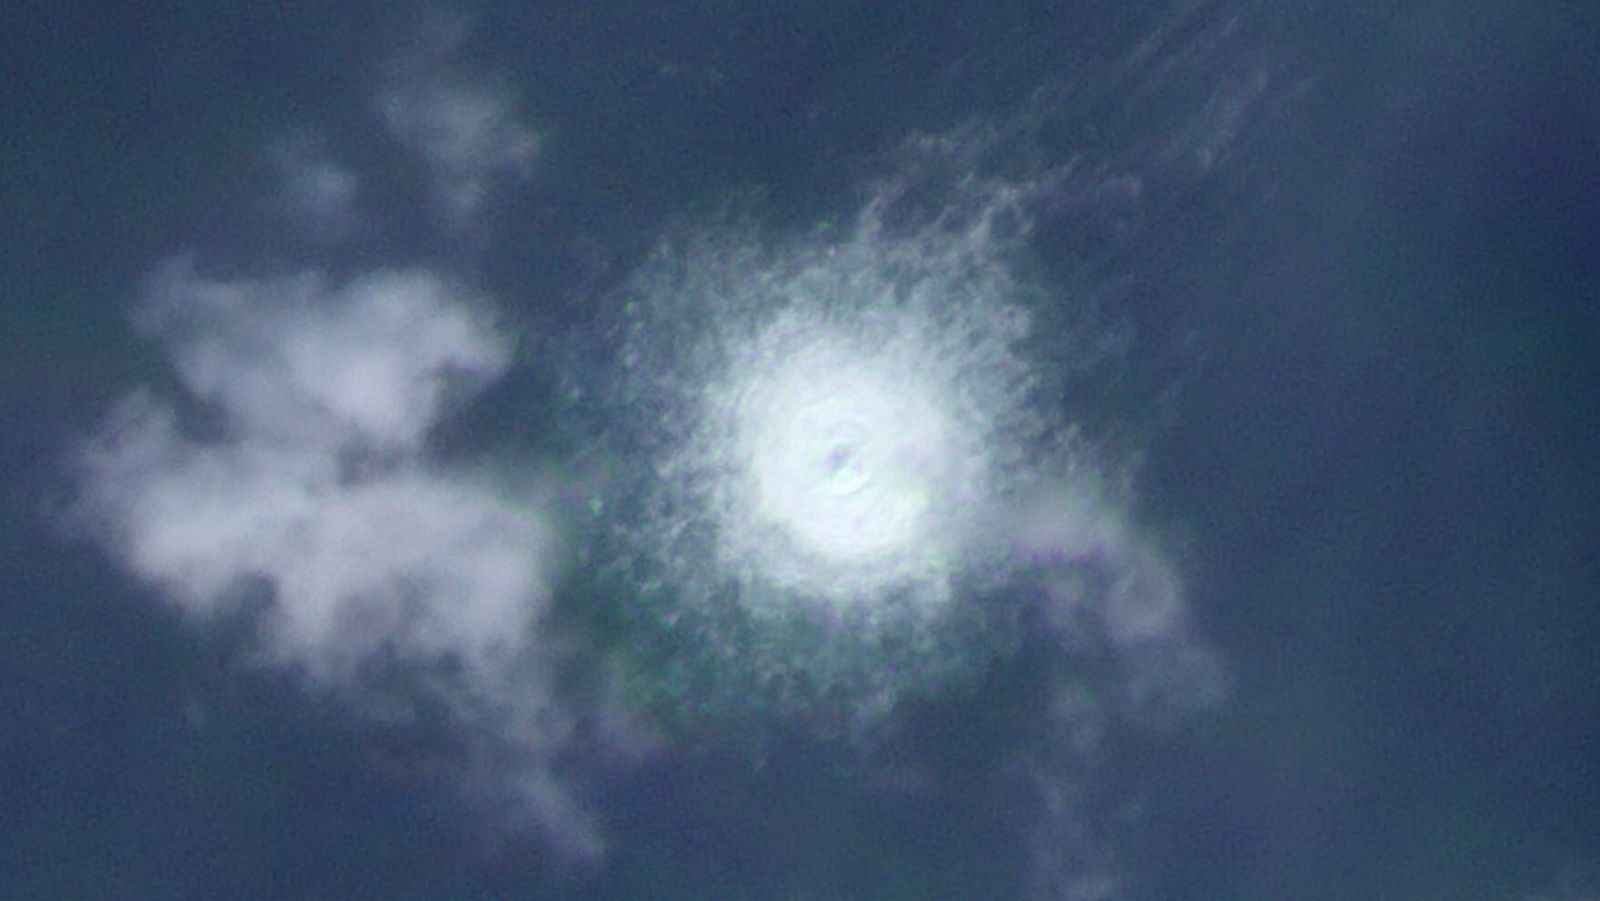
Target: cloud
{"points": [[317, 480], [286, 485], [304, 469], [315, 193], [464, 127]]}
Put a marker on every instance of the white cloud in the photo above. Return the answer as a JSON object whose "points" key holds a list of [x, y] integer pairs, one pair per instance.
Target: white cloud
{"points": [[319, 483], [316, 481], [464, 127], [370, 363]]}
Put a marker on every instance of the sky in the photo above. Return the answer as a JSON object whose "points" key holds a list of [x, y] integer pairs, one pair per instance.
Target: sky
{"points": [[1071, 451]]}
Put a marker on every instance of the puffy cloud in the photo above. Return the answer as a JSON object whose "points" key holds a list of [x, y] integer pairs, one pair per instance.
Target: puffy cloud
{"points": [[318, 482], [309, 474], [367, 364], [292, 487]]}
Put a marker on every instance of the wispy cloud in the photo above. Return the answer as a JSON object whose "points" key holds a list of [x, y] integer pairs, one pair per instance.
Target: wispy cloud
{"points": [[465, 127], [314, 192]]}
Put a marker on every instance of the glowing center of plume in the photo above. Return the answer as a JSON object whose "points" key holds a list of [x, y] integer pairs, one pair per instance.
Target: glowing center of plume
{"points": [[844, 454], [836, 431], [841, 455]]}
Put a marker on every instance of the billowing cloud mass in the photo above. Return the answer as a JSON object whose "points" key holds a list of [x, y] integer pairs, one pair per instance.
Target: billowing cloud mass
{"points": [[464, 127], [316, 479], [286, 482]]}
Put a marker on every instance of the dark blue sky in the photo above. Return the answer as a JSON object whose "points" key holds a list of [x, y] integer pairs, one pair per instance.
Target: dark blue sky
{"points": [[1361, 375]]}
